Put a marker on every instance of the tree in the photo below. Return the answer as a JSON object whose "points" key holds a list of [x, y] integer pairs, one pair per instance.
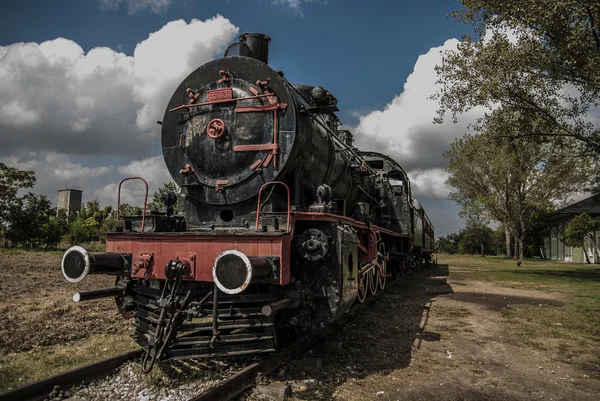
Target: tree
{"points": [[448, 244], [56, 228], [477, 234], [27, 219], [578, 229], [540, 58], [510, 177], [11, 181]]}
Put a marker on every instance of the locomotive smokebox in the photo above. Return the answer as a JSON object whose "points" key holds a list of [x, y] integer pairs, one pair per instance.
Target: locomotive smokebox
{"points": [[255, 45], [77, 263], [233, 271]]}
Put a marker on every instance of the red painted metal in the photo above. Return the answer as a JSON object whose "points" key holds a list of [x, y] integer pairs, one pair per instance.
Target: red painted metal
{"points": [[255, 165], [334, 218], [187, 106], [220, 183], [289, 205], [199, 250], [215, 128], [193, 96], [224, 77], [145, 198], [273, 147], [220, 94], [187, 169], [254, 148], [268, 107]]}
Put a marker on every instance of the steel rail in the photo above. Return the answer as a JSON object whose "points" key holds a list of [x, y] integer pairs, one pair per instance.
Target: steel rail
{"points": [[67, 380], [245, 378]]}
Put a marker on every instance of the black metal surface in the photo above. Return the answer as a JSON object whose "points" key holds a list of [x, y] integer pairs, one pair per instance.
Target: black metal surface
{"points": [[65, 381], [97, 294], [258, 44], [76, 258]]}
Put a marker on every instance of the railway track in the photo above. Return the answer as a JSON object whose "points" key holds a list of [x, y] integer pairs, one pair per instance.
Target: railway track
{"points": [[221, 391], [66, 380]]}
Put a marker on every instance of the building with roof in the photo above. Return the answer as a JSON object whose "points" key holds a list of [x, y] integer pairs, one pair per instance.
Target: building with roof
{"points": [[557, 221]]}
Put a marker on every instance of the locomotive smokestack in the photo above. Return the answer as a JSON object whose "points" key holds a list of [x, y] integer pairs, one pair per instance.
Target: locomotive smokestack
{"points": [[233, 271], [77, 263], [255, 45]]}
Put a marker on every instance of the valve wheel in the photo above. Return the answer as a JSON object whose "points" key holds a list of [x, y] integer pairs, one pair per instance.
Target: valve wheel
{"points": [[215, 128]]}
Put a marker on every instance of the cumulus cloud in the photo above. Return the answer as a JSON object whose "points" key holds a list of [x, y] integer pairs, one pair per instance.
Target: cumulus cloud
{"points": [[153, 169], [59, 103], [56, 97], [54, 171], [404, 129]]}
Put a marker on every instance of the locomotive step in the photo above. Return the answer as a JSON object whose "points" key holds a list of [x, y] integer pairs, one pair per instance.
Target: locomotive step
{"points": [[226, 339], [227, 325]]}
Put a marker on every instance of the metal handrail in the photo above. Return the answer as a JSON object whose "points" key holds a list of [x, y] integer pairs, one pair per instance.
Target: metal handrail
{"points": [[289, 206], [145, 198]]}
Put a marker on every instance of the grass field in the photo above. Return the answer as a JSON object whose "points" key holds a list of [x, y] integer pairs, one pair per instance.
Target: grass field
{"points": [[572, 330]]}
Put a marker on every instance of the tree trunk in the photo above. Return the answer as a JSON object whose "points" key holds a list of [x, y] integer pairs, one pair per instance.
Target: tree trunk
{"points": [[587, 258], [522, 246], [508, 250], [516, 248], [522, 241]]}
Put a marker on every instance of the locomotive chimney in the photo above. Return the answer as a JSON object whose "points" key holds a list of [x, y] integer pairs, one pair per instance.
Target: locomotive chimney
{"points": [[255, 45]]}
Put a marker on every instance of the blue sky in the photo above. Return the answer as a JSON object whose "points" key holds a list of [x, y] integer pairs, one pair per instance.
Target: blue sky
{"points": [[362, 51]]}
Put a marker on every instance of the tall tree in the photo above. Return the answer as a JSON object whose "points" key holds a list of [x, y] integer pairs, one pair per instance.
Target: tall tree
{"points": [[510, 177], [540, 58]]}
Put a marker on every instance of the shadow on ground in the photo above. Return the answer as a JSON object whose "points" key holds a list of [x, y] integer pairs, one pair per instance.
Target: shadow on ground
{"points": [[380, 338], [573, 274]]}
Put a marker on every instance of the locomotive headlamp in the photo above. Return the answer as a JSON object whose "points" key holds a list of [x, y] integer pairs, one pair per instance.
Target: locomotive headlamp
{"points": [[77, 263], [233, 271]]}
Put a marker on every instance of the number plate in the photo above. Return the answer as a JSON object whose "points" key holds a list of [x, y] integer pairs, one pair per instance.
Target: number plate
{"points": [[220, 94]]}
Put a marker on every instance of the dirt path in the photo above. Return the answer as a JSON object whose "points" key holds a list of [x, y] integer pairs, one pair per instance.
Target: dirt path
{"points": [[431, 338]]}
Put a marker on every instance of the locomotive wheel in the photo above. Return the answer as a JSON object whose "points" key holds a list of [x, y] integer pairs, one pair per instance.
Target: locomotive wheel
{"points": [[373, 280], [363, 287], [382, 270]]}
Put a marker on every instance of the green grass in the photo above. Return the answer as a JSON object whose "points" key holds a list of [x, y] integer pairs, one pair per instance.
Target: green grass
{"points": [[573, 329], [19, 369]]}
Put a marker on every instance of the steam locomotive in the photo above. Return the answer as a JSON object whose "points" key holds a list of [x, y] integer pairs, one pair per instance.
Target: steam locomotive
{"points": [[282, 225]]}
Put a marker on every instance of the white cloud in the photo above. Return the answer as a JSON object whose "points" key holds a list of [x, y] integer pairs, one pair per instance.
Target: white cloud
{"points": [[405, 131], [152, 169], [134, 6], [59, 104]]}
